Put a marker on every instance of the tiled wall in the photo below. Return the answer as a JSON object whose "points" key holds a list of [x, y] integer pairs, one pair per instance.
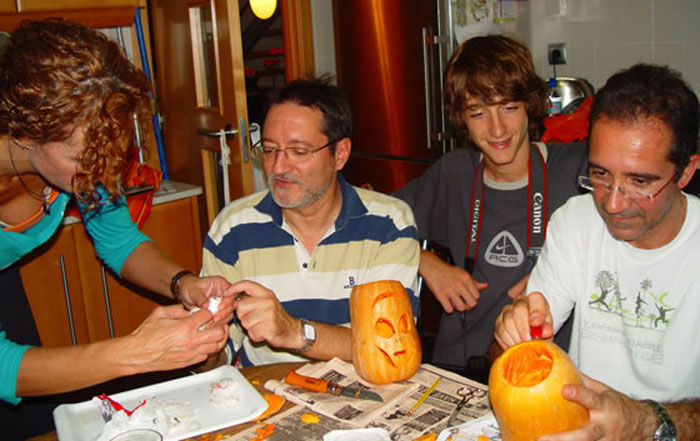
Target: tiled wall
{"points": [[603, 36]]}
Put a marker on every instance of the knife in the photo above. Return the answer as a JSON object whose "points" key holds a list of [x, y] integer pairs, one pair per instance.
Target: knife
{"points": [[318, 385]]}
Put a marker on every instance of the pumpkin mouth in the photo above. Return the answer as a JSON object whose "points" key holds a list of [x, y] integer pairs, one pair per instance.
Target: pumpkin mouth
{"points": [[386, 356], [527, 365]]}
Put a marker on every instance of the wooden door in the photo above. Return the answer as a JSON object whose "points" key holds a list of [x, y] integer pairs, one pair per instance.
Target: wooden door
{"points": [[201, 86]]}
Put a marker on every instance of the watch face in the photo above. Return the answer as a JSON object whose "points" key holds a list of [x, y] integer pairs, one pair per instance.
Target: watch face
{"points": [[309, 332], [665, 432]]}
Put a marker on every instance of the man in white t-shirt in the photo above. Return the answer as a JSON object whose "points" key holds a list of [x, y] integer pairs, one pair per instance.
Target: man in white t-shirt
{"points": [[626, 256]]}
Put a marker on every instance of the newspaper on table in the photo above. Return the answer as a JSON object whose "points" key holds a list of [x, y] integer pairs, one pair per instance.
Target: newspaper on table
{"points": [[356, 412], [393, 415]]}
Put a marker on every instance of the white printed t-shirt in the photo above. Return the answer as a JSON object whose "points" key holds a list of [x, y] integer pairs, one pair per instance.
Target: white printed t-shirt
{"points": [[637, 319]]}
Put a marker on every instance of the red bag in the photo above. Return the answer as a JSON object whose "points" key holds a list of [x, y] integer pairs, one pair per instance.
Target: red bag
{"points": [[141, 175], [570, 127]]}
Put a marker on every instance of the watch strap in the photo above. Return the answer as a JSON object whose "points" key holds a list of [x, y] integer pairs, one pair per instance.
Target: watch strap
{"points": [[666, 429], [175, 283]]}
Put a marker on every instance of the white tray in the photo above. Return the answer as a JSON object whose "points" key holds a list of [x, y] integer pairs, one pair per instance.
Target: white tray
{"points": [[485, 426], [83, 421]]}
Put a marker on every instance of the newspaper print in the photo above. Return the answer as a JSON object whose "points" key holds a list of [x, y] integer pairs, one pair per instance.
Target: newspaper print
{"points": [[394, 414], [356, 412]]}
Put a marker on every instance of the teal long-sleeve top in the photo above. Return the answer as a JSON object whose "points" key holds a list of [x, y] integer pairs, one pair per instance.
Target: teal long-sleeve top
{"points": [[115, 237]]}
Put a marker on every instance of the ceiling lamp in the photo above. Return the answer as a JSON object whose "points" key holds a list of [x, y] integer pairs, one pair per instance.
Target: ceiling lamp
{"points": [[263, 9]]}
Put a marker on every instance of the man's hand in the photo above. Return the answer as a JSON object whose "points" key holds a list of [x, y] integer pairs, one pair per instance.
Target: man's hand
{"points": [[453, 287], [614, 416], [264, 318], [518, 289], [514, 322], [170, 338], [196, 291]]}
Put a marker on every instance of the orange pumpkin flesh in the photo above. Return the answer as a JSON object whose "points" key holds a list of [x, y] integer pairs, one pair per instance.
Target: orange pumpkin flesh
{"points": [[525, 387], [385, 343], [274, 403]]}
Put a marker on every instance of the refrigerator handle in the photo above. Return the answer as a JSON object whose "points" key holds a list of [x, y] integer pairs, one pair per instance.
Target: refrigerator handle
{"points": [[426, 79], [428, 40]]}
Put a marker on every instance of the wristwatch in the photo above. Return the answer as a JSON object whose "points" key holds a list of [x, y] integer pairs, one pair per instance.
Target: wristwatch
{"points": [[175, 283], [666, 430], [308, 336]]}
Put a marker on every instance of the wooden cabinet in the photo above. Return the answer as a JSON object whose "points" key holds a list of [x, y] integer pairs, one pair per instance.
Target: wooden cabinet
{"points": [[68, 287], [8, 6], [66, 5]]}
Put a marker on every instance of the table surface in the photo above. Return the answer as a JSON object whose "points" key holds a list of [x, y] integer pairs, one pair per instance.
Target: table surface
{"points": [[257, 376]]}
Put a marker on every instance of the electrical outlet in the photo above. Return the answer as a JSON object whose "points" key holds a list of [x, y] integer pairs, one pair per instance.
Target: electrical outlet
{"points": [[556, 52]]}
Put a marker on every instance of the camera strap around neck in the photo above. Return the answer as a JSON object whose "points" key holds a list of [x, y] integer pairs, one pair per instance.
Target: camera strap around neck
{"points": [[536, 214]]}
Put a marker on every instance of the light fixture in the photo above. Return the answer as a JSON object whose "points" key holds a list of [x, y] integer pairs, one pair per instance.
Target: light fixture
{"points": [[263, 9]]}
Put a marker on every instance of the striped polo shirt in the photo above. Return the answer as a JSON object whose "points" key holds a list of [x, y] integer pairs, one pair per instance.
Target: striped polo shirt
{"points": [[373, 238]]}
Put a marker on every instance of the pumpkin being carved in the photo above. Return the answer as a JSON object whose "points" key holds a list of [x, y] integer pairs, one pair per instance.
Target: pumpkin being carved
{"points": [[525, 387], [385, 344]]}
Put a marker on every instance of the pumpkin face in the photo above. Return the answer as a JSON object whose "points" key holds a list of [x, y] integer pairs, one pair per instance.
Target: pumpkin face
{"points": [[525, 386], [385, 344]]}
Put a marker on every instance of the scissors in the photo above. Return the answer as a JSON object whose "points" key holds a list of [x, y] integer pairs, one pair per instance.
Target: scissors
{"points": [[467, 393]]}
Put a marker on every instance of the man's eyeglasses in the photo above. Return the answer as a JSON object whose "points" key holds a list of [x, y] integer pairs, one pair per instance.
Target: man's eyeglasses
{"points": [[632, 190], [293, 154]]}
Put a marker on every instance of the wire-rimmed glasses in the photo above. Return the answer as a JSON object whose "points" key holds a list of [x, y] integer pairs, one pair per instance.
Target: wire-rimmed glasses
{"points": [[628, 189], [293, 154]]}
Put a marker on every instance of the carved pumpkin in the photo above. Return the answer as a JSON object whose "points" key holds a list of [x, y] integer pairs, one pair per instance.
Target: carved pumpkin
{"points": [[525, 387], [385, 344]]}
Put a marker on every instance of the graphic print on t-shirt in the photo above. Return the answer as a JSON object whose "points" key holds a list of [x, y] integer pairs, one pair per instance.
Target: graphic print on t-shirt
{"points": [[504, 251], [643, 309]]}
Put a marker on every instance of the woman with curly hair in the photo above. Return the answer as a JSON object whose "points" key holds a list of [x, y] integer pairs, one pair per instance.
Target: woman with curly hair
{"points": [[67, 100]]}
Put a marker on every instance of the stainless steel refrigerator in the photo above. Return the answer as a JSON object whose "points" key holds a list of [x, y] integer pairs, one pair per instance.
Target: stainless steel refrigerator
{"points": [[391, 55]]}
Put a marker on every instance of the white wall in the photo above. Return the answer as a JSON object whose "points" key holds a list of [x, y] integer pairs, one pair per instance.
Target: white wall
{"points": [[603, 36]]}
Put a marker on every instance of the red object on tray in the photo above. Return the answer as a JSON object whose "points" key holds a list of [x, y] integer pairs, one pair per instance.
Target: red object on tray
{"points": [[115, 404], [570, 127]]}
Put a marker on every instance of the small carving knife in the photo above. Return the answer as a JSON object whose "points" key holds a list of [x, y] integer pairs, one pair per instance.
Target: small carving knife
{"points": [[318, 385]]}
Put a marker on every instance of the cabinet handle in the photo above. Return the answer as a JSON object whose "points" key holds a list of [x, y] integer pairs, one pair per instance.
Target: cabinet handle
{"points": [[67, 294], [108, 307]]}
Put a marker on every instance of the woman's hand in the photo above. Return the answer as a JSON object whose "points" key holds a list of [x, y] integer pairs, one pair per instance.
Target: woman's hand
{"points": [[170, 338], [196, 292]]}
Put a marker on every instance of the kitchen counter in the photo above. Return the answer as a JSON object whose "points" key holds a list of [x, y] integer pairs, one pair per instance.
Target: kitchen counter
{"points": [[167, 192]]}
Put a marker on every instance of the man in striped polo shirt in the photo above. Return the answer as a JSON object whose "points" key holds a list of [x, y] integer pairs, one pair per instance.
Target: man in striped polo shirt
{"points": [[298, 248]]}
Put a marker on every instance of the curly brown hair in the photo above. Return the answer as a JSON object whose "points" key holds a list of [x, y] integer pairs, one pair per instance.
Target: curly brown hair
{"points": [[56, 76], [489, 67]]}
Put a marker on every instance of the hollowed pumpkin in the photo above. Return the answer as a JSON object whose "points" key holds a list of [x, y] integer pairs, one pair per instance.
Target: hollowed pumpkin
{"points": [[385, 344], [525, 387]]}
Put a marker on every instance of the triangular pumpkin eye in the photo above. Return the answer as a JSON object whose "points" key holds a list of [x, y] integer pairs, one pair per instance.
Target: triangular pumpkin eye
{"points": [[384, 328]]}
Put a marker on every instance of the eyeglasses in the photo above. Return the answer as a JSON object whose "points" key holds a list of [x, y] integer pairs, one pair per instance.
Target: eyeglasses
{"points": [[293, 154], [630, 189]]}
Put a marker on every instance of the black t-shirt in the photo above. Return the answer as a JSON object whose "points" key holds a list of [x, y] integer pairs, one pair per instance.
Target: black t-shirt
{"points": [[441, 202]]}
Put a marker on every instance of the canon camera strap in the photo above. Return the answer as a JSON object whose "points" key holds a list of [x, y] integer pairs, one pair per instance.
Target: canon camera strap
{"points": [[536, 214]]}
